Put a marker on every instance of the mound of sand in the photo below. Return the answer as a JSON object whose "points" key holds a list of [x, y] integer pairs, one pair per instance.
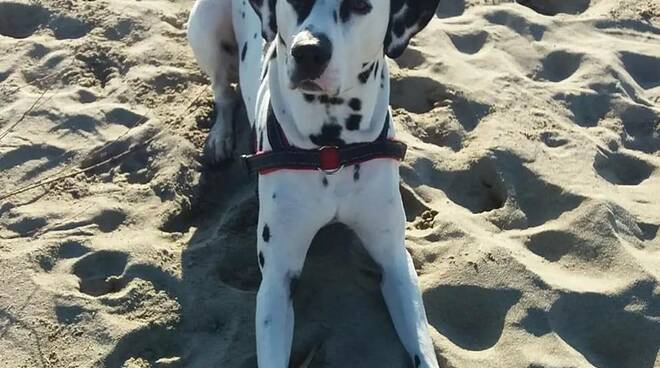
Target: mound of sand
{"points": [[532, 191]]}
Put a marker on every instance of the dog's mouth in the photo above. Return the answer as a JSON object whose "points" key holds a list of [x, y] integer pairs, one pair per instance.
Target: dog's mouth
{"points": [[307, 85], [310, 86]]}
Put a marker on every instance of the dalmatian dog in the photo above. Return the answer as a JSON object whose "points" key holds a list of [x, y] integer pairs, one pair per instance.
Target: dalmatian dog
{"points": [[317, 70]]}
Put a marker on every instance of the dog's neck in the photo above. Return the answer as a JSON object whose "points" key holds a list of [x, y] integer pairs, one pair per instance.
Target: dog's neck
{"points": [[357, 115]]}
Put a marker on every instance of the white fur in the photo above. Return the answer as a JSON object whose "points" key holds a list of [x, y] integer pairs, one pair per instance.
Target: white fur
{"points": [[295, 205]]}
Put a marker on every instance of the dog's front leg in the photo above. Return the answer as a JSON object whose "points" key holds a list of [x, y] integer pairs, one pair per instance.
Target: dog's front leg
{"points": [[378, 218], [274, 320], [289, 217]]}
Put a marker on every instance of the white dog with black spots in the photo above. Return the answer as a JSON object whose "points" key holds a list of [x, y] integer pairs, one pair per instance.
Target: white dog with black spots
{"points": [[317, 68]]}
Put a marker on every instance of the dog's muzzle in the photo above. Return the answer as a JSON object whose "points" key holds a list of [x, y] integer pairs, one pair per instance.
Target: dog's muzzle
{"points": [[311, 54]]}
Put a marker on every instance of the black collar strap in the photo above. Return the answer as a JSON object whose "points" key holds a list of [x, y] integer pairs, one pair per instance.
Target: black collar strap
{"points": [[328, 159]]}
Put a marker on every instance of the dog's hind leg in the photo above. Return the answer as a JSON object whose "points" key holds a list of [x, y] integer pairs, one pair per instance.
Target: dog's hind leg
{"points": [[211, 37]]}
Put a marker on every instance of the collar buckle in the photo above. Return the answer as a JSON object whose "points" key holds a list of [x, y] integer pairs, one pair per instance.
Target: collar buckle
{"points": [[330, 160]]}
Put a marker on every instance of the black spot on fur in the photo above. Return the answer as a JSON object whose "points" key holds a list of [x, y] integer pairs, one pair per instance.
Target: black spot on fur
{"points": [[327, 100], [302, 8], [334, 16], [355, 104], [228, 48], [262, 261], [279, 37], [293, 286], [353, 122], [244, 52], [265, 234], [261, 140], [329, 136], [325, 181], [364, 76], [356, 173], [417, 361], [376, 69], [309, 98], [272, 22]]}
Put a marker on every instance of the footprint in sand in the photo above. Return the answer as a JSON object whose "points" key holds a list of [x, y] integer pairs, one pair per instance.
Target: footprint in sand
{"points": [[421, 95], [103, 64], [147, 345], [100, 272], [517, 24], [623, 334], [72, 249], [68, 28], [645, 69], [500, 181], [641, 125], [410, 59], [554, 244], [649, 231], [478, 188], [588, 108], [34, 159], [121, 29], [85, 96], [475, 318], [450, 8], [554, 7], [558, 66], [469, 43], [622, 169], [19, 20]]}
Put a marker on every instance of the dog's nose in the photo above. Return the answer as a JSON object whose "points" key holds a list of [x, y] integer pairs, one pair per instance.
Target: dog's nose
{"points": [[312, 56]]}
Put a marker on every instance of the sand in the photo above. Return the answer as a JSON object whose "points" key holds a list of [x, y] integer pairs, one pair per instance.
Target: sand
{"points": [[532, 192]]}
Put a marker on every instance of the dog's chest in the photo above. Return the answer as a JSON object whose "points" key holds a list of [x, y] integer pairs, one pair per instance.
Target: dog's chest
{"points": [[310, 121], [336, 189]]}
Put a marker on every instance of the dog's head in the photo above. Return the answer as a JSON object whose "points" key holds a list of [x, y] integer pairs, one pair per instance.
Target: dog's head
{"points": [[329, 43]]}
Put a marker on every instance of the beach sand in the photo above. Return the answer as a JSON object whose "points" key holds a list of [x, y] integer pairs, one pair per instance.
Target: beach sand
{"points": [[532, 191]]}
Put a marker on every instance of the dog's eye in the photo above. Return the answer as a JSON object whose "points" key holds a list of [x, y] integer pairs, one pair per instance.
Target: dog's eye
{"points": [[361, 6]]}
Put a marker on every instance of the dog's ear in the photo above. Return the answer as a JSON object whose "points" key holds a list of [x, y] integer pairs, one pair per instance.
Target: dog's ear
{"points": [[266, 11], [407, 18]]}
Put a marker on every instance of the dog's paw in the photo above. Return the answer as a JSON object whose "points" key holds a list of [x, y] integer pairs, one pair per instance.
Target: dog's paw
{"points": [[219, 146]]}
